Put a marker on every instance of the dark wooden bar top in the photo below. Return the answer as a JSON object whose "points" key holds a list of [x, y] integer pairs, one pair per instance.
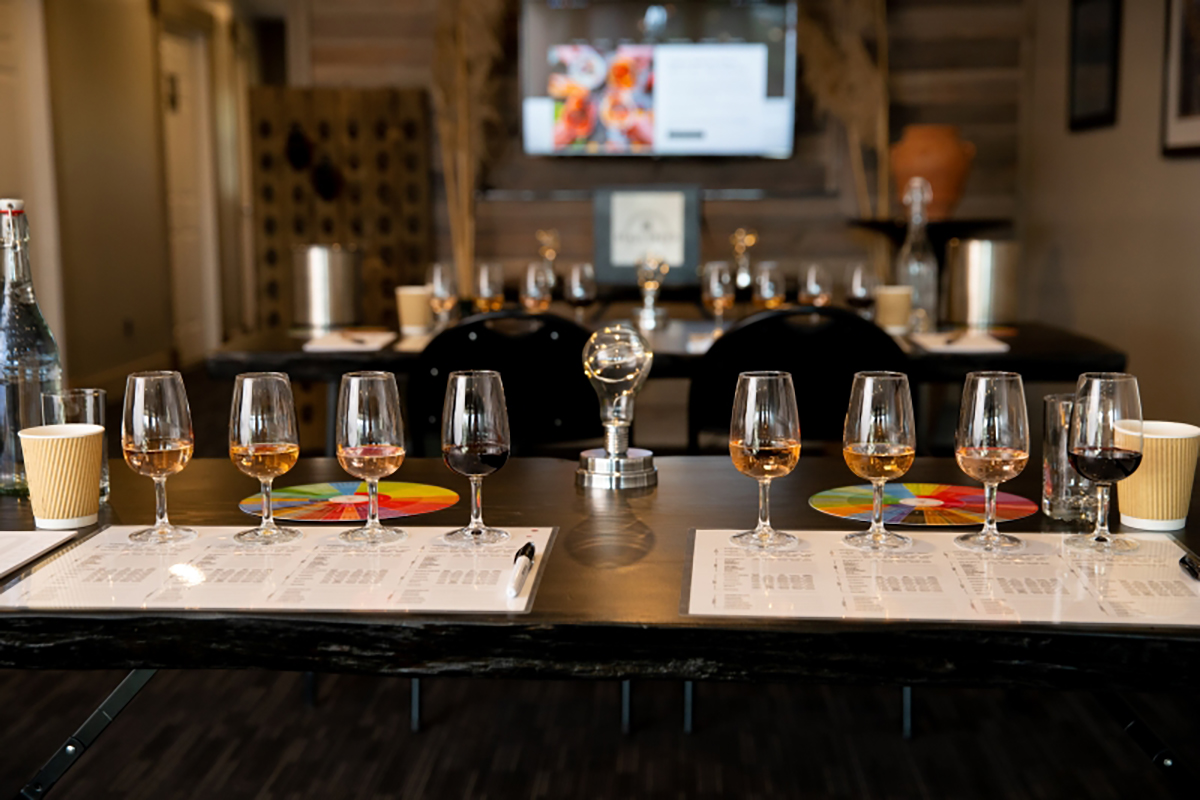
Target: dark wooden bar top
{"points": [[609, 601]]}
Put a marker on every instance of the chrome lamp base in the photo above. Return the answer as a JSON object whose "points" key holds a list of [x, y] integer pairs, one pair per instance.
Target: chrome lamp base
{"points": [[599, 470]]}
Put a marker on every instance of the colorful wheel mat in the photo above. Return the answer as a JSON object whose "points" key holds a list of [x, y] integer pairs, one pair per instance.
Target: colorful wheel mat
{"points": [[346, 501], [921, 504]]}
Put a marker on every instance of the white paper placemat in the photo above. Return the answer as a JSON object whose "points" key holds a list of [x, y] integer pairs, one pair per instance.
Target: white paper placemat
{"points": [[350, 342], [938, 581], [316, 573], [18, 548], [954, 343]]}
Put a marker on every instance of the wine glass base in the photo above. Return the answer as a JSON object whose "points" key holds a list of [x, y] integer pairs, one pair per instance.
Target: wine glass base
{"points": [[770, 541], [373, 535], [476, 536], [267, 536], [167, 534], [989, 543], [884, 541], [1109, 544]]}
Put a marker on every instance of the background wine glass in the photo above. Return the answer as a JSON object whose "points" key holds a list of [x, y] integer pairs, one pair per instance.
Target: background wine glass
{"points": [[475, 443], [816, 287], [764, 443], [1105, 446], [581, 288], [263, 443], [443, 292], [879, 444], [860, 289], [370, 444], [717, 291], [489, 287], [537, 287], [157, 440], [769, 289], [992, 446]]}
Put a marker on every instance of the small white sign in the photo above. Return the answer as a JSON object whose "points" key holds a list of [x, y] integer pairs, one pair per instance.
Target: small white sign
{"points": [[647, 224]]}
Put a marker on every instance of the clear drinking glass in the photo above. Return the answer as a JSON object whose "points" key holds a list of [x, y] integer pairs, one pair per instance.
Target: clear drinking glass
{"points": [[816, 287], [80, 405], [581, 288], [764, 443], [879, 443], [263, 443], [443, 292], [860, 289], [717, 291], [769, 289], [1104, 450], [475, 443], [1066, 495], [370, 444], [537, 287], [992, 446], [489, 288], [157, 439]]}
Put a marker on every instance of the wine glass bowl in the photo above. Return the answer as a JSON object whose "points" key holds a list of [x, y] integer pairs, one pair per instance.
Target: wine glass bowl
{"points": [[816, 287], [157, 441], [475, 443], [264, 444], [580, 290], [489, 288], [537, 288], [764, 443], [860, 289], [443, 292], [1105, 446], [769, 289], [717, 291], [370, 444]]}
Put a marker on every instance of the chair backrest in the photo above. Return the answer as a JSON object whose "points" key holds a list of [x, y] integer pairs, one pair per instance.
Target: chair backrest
{"points": [[821, 347], [539, 358]]}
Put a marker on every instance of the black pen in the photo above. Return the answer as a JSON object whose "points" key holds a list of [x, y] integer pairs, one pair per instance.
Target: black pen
{"points": [[1190, 566], [522, 562]]}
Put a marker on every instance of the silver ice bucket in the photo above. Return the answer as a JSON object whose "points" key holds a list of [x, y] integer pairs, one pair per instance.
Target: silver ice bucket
{"points": [[982, 282], [326, 287]]}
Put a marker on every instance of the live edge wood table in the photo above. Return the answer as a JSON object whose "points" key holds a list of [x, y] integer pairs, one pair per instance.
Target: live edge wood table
{"points": [[609, 601]]}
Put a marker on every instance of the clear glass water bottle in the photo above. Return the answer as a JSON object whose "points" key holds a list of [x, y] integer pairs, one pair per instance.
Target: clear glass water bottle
{"points": [[29, 362], [915, 264]]}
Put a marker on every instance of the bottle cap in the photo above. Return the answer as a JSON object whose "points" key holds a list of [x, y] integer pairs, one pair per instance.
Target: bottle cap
{"points": [[12, 205]]}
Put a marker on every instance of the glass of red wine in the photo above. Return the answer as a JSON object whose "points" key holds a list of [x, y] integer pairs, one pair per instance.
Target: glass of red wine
{"points": [[475, 443], [1105, 446]]}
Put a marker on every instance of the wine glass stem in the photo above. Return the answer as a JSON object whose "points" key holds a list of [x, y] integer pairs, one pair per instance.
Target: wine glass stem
{"points": [[720, 318], [989, 519], [160, 504], [476, 502], [877, 530], [1101, 533], [268, 517], [764, 506], [373, 504], [579, 314]]}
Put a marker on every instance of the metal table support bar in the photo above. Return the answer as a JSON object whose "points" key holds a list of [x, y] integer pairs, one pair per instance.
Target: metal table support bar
{"points": [[87, 734], [1182, 781]]}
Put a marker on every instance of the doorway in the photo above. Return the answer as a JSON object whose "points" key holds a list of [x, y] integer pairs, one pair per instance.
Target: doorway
{"points": [[191, 197]]}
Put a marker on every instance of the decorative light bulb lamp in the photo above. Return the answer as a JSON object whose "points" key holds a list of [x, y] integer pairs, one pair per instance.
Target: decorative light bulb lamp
{"points": [[617, 361]]}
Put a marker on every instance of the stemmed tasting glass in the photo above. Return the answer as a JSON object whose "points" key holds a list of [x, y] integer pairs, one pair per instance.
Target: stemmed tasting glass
{"points": [[489, 288], [769, 289], [1105, 446], [717, 291], [860, 289], [764, 442], [475, 443], [443, 292], [879, 443], [370, 444], [581, 288], [263, 443], [157, 439], [816, 288], [537, 287], [992, 446]]}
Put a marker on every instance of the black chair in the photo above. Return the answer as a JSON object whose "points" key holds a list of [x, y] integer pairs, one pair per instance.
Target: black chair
{"points": [[821, 347], [539, 358]]}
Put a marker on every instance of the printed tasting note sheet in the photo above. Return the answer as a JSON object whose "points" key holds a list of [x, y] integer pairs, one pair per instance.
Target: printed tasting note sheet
{"points": [[316, 573], [18, 548], [824, 579]]}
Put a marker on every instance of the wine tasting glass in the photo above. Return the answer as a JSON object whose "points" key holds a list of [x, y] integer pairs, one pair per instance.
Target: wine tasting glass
{"points": [[370, 444], [263, 443], [860, 289], [475, 443], [717, 291], [537, 287], [157, 439], [1105, 446], [991, 445], [879, 443], [764, 443], [816, 287], [581, 288], [769, 289], [489, 288], [443, 292]]}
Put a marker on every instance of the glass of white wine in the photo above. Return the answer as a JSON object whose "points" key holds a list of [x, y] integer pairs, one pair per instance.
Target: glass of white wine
{"points": [[992, 446], [816, 287], [769, 289], [157, 440], [879, 443], [370, 444], [717, 292], [489, 287], [443, 292], [537, 288], [263, 443], [764, 443]]}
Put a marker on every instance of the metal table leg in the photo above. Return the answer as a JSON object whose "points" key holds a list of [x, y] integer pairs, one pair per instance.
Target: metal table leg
{"points": [[689, 700], [87, 734], [906, 717], [626, 703], [414, 719], [1181, 779]]}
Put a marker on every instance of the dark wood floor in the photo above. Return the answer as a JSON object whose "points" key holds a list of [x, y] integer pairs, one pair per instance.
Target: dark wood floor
{"points": [[249, 735]]}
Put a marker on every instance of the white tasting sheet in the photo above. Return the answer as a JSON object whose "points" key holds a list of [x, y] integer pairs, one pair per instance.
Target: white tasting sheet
{"points": [[18, 548], [315, 573], [936, 580]]}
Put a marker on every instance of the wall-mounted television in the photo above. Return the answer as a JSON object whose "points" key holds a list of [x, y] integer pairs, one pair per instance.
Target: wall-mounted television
{"points": [[624, 78]]}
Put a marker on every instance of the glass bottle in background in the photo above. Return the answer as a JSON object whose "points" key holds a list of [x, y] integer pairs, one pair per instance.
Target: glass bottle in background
{"points": [[443, 292], [717, 291], [860, 289], [816, 287], [769, 289], [916, 265], [29, 361], [537, 287], [489, 288], [581, 289]]}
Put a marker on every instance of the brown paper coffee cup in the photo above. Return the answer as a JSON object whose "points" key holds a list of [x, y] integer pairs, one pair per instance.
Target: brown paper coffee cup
{"points": [[62, 465], [893, 308], [1156, 497], [412, 306]]}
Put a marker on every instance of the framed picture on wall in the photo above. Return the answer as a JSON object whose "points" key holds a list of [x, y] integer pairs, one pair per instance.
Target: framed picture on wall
{"points": [[1181, 79], [632, 222], [1095, 64]]}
